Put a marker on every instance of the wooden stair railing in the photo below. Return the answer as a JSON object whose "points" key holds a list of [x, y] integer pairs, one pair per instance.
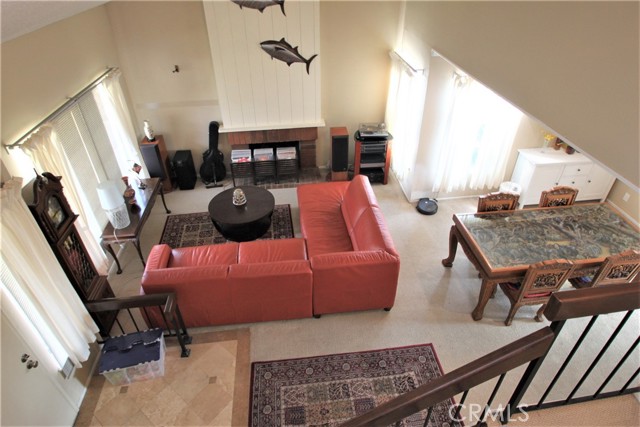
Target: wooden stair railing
{"points": [[531, 349], [470, 375], [165, 302]]}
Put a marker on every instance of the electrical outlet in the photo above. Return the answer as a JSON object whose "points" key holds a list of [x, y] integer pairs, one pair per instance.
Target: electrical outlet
{"points": [[626, 197]]}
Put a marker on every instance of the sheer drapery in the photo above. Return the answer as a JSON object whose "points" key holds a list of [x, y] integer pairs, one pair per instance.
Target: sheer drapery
{"points": [[35, 286], [403, 116], [47, 156], [117, 122], [476, 138]]}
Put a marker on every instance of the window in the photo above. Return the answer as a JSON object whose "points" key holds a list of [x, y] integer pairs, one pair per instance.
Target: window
{"points": [[476, 138]]}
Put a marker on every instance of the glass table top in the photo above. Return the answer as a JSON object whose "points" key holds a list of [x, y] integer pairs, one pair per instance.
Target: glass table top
{"points": [[524, 237]]}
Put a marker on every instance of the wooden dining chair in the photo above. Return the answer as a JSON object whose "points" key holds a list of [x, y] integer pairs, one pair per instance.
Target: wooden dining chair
{"points": [[540, 281], [498, 202], [614, 270], [558, 196]]}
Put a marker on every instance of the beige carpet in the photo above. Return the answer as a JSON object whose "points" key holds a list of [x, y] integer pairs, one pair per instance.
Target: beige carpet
{"points": [[433, 303]]}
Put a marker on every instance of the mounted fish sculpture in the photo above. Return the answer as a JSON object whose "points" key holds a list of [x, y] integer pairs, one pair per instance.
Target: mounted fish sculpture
{"points": [[260, 5], [284, 52]]}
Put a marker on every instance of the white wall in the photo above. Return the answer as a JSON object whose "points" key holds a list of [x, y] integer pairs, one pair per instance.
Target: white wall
{"points": [[152, 37], [355, 40]]}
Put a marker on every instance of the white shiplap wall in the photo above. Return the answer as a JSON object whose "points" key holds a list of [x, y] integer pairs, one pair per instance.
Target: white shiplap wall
{"points": [[255, 91]]}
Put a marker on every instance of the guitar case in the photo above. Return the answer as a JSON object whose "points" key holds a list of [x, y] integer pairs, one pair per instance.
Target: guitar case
{"points": [[213, 168]]}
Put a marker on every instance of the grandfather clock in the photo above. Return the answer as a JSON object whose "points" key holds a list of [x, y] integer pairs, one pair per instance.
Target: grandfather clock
{"points": [[56, 219]]}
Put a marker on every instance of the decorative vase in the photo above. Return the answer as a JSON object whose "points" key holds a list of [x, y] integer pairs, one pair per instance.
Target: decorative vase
{"points": [[239, 198], [148, 131]]}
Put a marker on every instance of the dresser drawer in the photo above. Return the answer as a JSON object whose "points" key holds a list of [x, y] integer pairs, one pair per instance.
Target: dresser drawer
{"points": [[577, 181], [577, 169]]}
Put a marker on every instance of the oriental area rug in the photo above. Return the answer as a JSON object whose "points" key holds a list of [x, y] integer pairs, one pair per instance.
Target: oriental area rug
{"points": [[196, 229], [329, 390]]}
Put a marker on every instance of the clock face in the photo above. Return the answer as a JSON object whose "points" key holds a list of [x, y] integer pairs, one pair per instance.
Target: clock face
{"points": [[55, 212]]}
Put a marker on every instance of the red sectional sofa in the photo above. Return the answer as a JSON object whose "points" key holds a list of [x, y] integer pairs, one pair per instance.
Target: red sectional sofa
{"points": [[345, 262], [354, 262], [233, 282]]}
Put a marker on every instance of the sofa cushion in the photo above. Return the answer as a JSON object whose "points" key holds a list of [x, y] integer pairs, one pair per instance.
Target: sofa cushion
{"points": [[321, 219], [370, 232], [223, 254], [272, 251], [358, 197]]}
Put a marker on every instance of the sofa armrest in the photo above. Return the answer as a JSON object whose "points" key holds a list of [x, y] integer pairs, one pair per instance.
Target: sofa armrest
{"points": [[351, 281], [364, 258], [203, 293], [186, 278], [158, 257]]}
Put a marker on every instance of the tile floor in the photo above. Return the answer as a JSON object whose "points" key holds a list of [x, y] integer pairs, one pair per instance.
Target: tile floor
{"points": [[210, 388]]}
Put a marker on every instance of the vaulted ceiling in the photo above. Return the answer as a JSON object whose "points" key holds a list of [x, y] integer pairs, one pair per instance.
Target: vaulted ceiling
{"points": [[20, 17]]}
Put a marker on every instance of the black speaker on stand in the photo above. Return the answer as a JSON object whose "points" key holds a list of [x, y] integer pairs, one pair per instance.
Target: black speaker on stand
{"points": [[339, 153]]}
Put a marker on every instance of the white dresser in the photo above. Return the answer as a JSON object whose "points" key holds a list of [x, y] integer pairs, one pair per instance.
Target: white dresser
{"points": [[539, 169]]}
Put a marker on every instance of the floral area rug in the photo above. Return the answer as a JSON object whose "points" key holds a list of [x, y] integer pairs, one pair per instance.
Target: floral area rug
{"points": [[329, 390], [196, 229]]}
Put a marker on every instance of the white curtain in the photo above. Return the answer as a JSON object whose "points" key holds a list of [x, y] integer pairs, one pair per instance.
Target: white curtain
{"points": [[47, 155], [35, 286], [403, 116], [117, 121], [476, 139]]}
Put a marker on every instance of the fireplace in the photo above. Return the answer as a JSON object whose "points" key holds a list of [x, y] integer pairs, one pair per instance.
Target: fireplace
{"points": [[304, 138]]}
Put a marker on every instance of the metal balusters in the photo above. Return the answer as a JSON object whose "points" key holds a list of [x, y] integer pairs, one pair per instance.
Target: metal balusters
{"points": [[567, 360], [599, 356], [613, 372], [490, 401]]}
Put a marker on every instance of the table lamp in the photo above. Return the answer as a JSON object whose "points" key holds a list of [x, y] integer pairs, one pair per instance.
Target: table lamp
{"points": [[113, 204]]}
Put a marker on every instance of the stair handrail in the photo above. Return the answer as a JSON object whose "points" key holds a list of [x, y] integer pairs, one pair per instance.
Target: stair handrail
{"points": [[530, 349], [468, 376]]}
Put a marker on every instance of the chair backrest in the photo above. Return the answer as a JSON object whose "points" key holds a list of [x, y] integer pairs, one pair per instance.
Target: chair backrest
{"points": [[498, 202], [558, 196], [544, 278], [618, 269]]}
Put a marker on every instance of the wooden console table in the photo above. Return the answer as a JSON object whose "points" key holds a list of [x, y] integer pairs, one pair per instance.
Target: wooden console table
{"points": [[138, 215]]}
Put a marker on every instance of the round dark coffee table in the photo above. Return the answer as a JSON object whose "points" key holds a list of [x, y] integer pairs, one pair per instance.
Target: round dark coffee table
{"points": [[242, 223]]}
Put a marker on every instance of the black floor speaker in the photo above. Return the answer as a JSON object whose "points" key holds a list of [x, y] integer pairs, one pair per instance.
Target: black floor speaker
{"points": [[339, 149], [184, 170]]}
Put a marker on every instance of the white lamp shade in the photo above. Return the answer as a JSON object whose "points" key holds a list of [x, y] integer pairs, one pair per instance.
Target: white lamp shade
{"points": [[110, 195], [112, 202]]}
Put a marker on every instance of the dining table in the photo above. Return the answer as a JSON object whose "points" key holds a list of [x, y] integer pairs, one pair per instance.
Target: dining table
{"points": [[503, 244]]}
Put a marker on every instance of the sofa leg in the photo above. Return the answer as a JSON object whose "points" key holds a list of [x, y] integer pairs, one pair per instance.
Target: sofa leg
{"points": [[387, 309], [317, 316]]}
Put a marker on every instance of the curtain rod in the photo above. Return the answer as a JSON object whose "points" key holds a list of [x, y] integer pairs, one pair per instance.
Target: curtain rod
{"points": [[70, 101], [395, 55]]}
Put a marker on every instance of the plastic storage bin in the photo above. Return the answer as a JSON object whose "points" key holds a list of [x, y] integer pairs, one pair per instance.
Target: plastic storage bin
{"points": [[133, 357]]}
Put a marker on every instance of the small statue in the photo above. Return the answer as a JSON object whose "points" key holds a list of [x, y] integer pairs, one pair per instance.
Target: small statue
{"points": [[239, 198], [136, 177], [148, 131]]}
